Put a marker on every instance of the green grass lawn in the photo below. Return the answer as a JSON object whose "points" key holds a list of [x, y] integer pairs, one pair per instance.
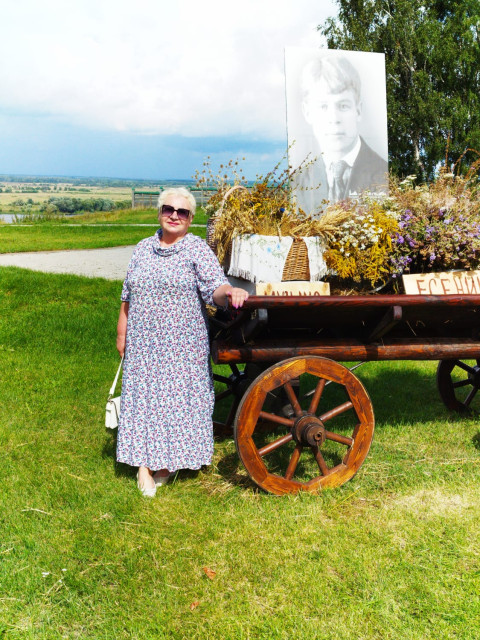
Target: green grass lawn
{"points": [[129, 216], [65, 234], [121, 216], [393, 554], [51, 237]]}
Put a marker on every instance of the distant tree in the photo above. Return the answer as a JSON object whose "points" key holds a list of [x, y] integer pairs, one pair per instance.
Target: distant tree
{"points": [[48, 207], [432, 54], [123, 204], [72, 205]]}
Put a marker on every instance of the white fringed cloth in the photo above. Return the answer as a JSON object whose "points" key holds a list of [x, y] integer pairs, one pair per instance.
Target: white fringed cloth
{"points": [[262, 258]]}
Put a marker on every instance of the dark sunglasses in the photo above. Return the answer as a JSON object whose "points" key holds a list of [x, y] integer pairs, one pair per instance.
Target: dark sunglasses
{"points": [[167, 211]]}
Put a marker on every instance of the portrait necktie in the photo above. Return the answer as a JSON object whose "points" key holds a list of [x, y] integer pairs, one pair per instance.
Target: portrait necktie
{"points": [[338, 191]]}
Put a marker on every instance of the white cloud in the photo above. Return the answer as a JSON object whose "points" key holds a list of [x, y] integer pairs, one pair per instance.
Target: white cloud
{"points": [[209, 68]]}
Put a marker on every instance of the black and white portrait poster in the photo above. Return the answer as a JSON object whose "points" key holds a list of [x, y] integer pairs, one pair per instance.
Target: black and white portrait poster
{"points": [[337, 125]]}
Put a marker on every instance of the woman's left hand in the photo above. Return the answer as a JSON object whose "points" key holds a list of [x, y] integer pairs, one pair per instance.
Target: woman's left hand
{"points": [[237, 297]]}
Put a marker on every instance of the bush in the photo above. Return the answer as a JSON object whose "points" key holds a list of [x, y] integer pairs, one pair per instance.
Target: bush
{"points": [[73, 205]]}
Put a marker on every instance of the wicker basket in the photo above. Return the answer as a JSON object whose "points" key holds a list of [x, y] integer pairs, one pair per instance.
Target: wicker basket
{"points": [[296, 265]]}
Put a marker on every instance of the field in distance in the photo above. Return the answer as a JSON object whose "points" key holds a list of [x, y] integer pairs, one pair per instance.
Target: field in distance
{"points": [[40, 192], [16, 194]]}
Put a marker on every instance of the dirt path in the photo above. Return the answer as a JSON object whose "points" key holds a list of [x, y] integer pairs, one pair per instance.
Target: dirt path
{"points": [[108, 263]]}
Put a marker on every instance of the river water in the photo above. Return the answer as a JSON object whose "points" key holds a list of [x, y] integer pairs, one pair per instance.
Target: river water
{"points": [[9, 217]]}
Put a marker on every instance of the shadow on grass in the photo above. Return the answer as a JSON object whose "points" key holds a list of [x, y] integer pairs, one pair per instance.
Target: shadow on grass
{"points": [[400, 393], [406, 394], [476, 440], [109, 451], [229, 467]]}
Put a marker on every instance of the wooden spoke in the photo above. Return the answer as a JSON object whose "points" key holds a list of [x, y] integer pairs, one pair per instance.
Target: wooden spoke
{"points": [[292, 465], [322, 465], [336, 411], [274, 418], [226, 428], [223, 394], [231, 413], [462, 383], [464, 366], [274, 445], [274, 468], [447, 371], [317, 395], [470, 396], [293, 398], [336, 437]]}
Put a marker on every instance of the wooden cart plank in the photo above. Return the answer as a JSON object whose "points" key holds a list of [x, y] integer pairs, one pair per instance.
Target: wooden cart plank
{"points": [[345, 350]]}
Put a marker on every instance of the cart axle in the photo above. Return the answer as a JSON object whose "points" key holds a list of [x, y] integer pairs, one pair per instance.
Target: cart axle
{"points": [[309, 430]]}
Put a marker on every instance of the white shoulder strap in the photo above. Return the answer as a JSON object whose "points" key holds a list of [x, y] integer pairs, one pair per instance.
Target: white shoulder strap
{"points": [[112, 389]]}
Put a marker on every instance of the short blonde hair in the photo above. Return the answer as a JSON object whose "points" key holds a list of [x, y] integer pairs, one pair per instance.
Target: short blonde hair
{"points": [[177, 191]]}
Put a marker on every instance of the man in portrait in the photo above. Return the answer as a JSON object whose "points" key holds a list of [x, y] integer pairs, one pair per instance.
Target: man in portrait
{"points": [[340, 163]]}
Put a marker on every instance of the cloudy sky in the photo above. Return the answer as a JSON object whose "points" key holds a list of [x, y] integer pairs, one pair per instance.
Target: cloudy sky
{"points": [[147, 89]]}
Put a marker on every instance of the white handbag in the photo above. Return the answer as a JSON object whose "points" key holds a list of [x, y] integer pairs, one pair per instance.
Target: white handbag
{"points": [[112, 411]]}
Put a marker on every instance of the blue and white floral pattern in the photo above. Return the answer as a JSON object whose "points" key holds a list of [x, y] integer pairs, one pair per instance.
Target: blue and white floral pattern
{"points": [[167, 389]]}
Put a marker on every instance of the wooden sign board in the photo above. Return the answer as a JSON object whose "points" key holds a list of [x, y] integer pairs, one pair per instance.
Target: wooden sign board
{"points": [[440, 284], [293, 288]]}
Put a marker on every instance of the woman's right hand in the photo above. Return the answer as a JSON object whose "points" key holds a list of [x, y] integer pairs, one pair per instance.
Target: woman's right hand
{"points": [[122, 328], [121, 340]]}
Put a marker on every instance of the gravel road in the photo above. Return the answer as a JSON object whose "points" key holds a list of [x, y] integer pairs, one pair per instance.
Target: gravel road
{"points": [[108, 263]]}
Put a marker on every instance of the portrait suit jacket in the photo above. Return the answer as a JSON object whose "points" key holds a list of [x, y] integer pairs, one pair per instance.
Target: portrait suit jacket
{"points": [[369, 171]]}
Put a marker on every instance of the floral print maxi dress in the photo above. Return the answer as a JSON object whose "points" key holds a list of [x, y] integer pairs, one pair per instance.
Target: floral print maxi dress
{"points": [[167, 389]]}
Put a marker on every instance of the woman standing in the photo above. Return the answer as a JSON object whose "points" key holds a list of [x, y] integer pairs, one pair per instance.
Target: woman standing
{"points": [[167, 390]]}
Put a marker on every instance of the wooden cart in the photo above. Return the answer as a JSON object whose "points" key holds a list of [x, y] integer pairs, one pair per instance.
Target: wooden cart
{"points": [[303, 421]]}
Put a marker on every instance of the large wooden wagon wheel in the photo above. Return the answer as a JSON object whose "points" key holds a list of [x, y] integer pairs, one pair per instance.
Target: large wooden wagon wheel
{"points": [[458, 383], [321, 436]]}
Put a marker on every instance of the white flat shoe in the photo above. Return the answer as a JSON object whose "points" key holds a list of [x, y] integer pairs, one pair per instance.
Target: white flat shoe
{"points": [[159, 480], [148, 492]]}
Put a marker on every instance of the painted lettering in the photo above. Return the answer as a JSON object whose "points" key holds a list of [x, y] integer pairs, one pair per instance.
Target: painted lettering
{"points": [[473, 286], [421, 289], [445, 281], [431, 282], [458, 285]]}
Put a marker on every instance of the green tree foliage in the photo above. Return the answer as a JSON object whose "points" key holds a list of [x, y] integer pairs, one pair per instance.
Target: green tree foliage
{"points": [[73, 205], [432, 54]]}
